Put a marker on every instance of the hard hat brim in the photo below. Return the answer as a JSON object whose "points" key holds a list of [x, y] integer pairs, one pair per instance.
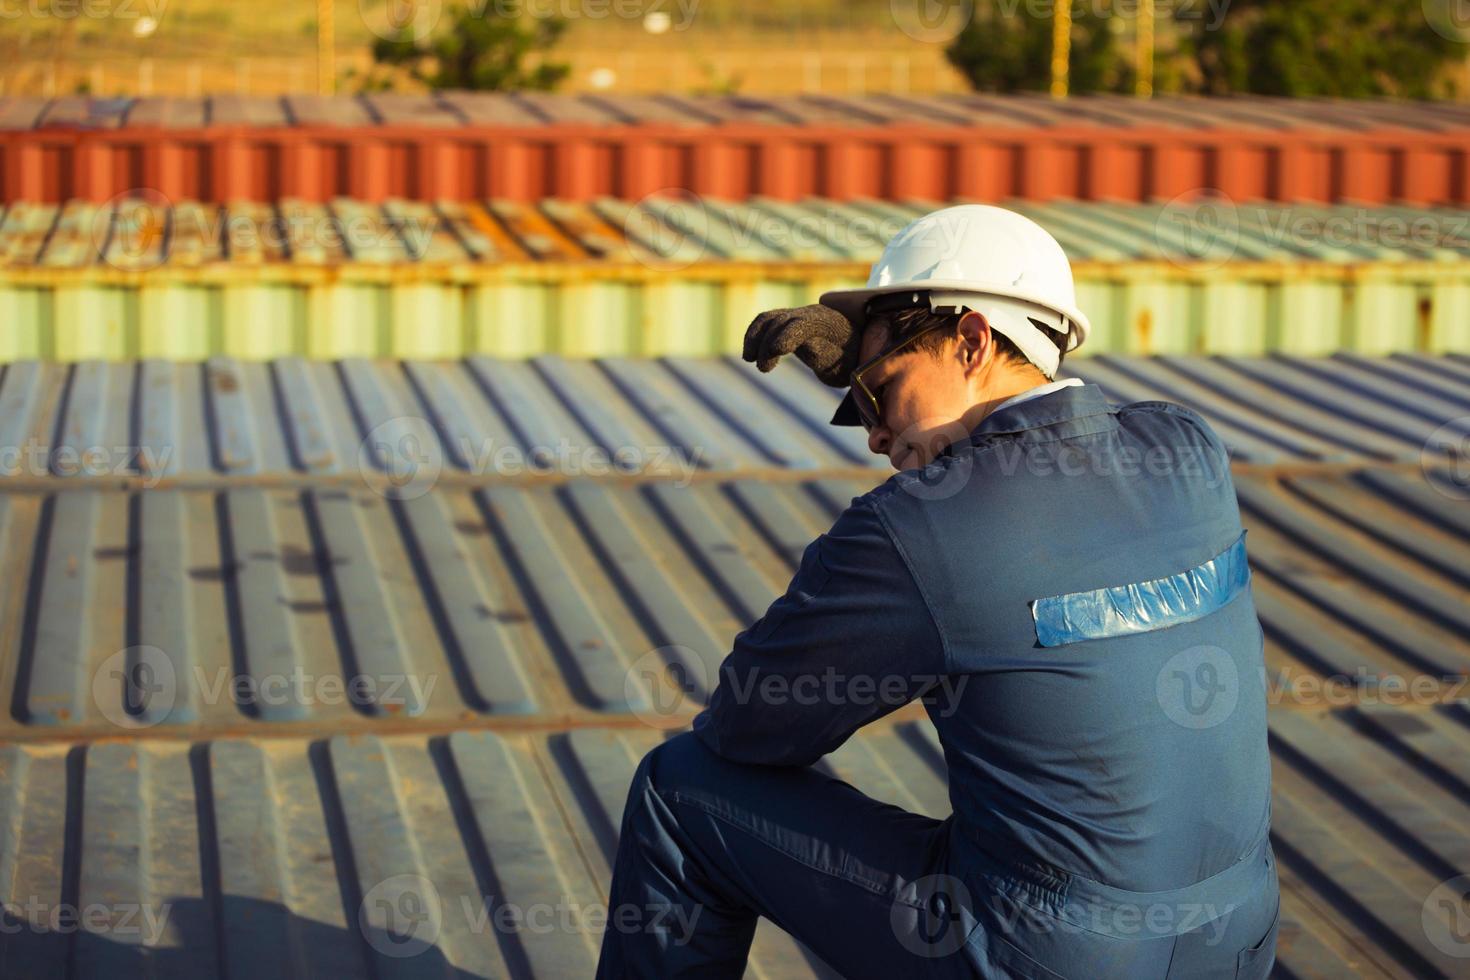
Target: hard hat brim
{"points": [[851, 302], [847, 412]]}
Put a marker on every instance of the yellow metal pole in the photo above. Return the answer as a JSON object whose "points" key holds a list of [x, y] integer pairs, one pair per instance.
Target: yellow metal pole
{"points": [[326, 49], [1145, 48], [1061, 48]]}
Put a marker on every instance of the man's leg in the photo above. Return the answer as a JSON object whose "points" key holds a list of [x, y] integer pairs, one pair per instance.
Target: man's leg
{"points": [[708, 845]]}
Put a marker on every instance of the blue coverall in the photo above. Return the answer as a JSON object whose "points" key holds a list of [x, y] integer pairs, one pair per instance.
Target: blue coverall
{"points": [[1075, 574]]}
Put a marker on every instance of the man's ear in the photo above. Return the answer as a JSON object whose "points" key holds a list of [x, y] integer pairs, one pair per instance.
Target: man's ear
{"points": [[976, 344]]}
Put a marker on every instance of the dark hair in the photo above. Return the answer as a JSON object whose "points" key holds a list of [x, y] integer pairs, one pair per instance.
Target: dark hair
{"points": [[906, 323]]}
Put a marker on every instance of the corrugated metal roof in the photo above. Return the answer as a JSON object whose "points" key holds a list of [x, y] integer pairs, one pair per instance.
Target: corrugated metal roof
{"points": [[671, 275], [516, 606], [676, 418], [467, 109], [287, 857], [670, 232], [512, 630], [526, 146]]}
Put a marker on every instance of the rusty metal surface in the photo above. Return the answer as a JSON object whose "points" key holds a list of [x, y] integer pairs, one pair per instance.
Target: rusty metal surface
{"points": [[671, 232], [528, 146], [289, 857], [358, 423], [673, 274]]}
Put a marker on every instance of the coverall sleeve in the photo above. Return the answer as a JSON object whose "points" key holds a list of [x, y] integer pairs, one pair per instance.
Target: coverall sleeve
{"points": [[851, 640]]}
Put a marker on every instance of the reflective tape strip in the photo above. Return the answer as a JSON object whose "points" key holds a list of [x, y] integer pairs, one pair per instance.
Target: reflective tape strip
{"points": [[1142, 606]]}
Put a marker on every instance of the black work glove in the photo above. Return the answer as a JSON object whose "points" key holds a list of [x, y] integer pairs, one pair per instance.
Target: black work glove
{"points": [[824, 340]]}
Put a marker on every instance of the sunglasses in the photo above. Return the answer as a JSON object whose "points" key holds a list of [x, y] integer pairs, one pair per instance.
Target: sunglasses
{"points": [[867, 402]]}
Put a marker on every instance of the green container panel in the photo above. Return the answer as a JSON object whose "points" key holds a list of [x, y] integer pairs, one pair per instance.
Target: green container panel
{"points": [[1134, 307]]}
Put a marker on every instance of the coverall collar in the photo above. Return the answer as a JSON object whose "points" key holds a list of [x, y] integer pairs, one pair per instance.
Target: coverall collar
{"points": [[1060, 404], [1080, 409]]}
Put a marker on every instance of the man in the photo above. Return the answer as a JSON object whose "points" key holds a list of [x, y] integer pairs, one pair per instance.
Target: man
{"points": [[1063, 582]]}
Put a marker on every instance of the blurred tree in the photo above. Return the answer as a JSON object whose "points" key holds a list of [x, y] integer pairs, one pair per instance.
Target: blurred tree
{"points": [[1006, 47], [1341, 48], [480, 50], [1335, 48]]}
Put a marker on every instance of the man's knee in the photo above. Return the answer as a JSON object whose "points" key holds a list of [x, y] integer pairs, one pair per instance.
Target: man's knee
{"points": [[671, 765], [674, 761]]}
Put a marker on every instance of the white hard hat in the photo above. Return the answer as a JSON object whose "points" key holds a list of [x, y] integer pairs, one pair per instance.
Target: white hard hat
{"points": [[982, 258]]}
